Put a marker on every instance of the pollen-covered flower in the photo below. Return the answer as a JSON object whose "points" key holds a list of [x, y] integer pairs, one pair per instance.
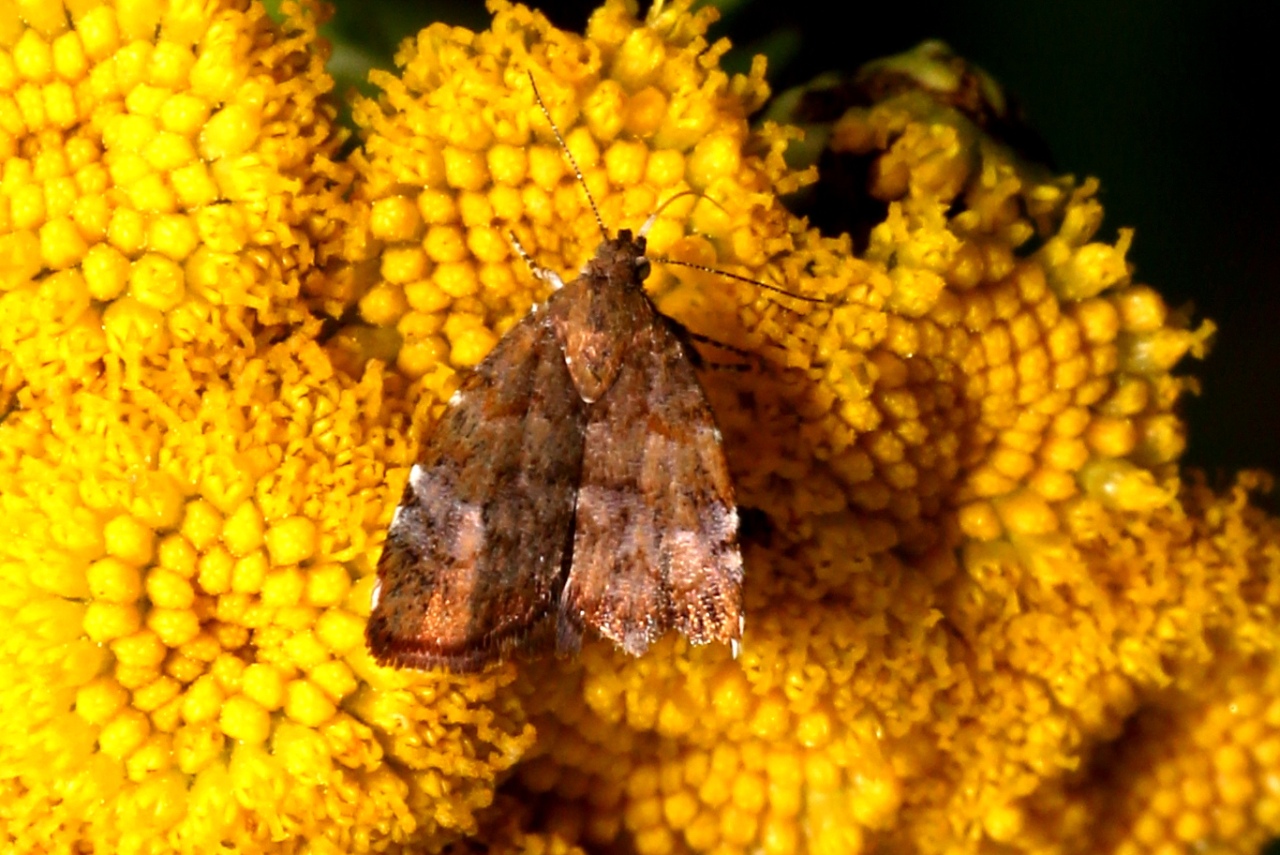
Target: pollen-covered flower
{"points": [[963, 456], [167, 180], [186, 579], [982, 607], [1194, 768], [1197, 768], [457, 157]]}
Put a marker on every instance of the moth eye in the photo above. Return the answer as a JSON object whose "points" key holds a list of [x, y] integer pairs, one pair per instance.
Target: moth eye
{"points": [[642, 267]]}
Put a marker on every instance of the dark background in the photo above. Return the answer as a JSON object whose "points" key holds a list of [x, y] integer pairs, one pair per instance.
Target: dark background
{"points": [[1168, 103]]}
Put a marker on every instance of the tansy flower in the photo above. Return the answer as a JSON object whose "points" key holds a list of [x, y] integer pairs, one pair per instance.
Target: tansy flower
{"points": [[982, 607], [167, 181], [961, 454], [186, 568]]}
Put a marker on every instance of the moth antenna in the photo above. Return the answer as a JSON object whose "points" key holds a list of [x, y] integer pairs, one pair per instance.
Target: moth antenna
{"points": [[568, 154], [724, 366], [538, 272], [644, 230], [706, 339], [653, 218], [765, 285]]}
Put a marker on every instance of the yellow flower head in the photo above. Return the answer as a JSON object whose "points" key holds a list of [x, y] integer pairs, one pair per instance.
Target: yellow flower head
{"points": [[961, 453], [1196, 768], [186, 579], [457, 156], [165, 166], [974, 563]]}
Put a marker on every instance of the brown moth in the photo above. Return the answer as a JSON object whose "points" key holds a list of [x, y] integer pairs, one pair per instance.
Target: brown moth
{"points": [[576, 480]]}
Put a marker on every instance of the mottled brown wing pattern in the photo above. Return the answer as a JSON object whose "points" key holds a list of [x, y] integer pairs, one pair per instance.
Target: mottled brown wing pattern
{"points": [[475, 556], [656, 529]]}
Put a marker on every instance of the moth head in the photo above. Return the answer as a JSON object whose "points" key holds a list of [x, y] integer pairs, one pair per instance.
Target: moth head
{"points": [[623, 258]]}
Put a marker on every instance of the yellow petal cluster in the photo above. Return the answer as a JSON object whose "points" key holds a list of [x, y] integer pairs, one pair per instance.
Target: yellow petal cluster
{"points": [[187, 571], [1198, 769], [168, 180], [457, 158], [962, 456], [984, 609]]}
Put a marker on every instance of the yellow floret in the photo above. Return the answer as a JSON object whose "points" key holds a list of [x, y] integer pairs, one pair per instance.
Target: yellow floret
{"points": [[291, 541], [104, 621], [244, 720], [124, 734], [306, 704], [114, 581], [243, 531], [264, 685], [174, 627], [99, 701], [168, 589], [129, 539]]}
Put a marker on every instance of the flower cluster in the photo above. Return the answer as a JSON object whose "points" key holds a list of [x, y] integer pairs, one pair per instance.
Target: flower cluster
{"points": [[168, 181], [187, 574], [192, 494], [984, 609]]}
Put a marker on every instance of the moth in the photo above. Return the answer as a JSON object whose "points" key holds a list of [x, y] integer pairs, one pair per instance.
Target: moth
{"points": [[575, 481]]}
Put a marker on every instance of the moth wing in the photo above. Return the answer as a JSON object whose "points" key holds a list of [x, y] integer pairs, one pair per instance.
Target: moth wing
{"points": [[656, 529], [474, 557]]}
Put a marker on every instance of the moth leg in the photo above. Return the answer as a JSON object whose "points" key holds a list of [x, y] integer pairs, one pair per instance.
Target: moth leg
{"points": [[687, 337], [738, 367], [542, 274]]}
